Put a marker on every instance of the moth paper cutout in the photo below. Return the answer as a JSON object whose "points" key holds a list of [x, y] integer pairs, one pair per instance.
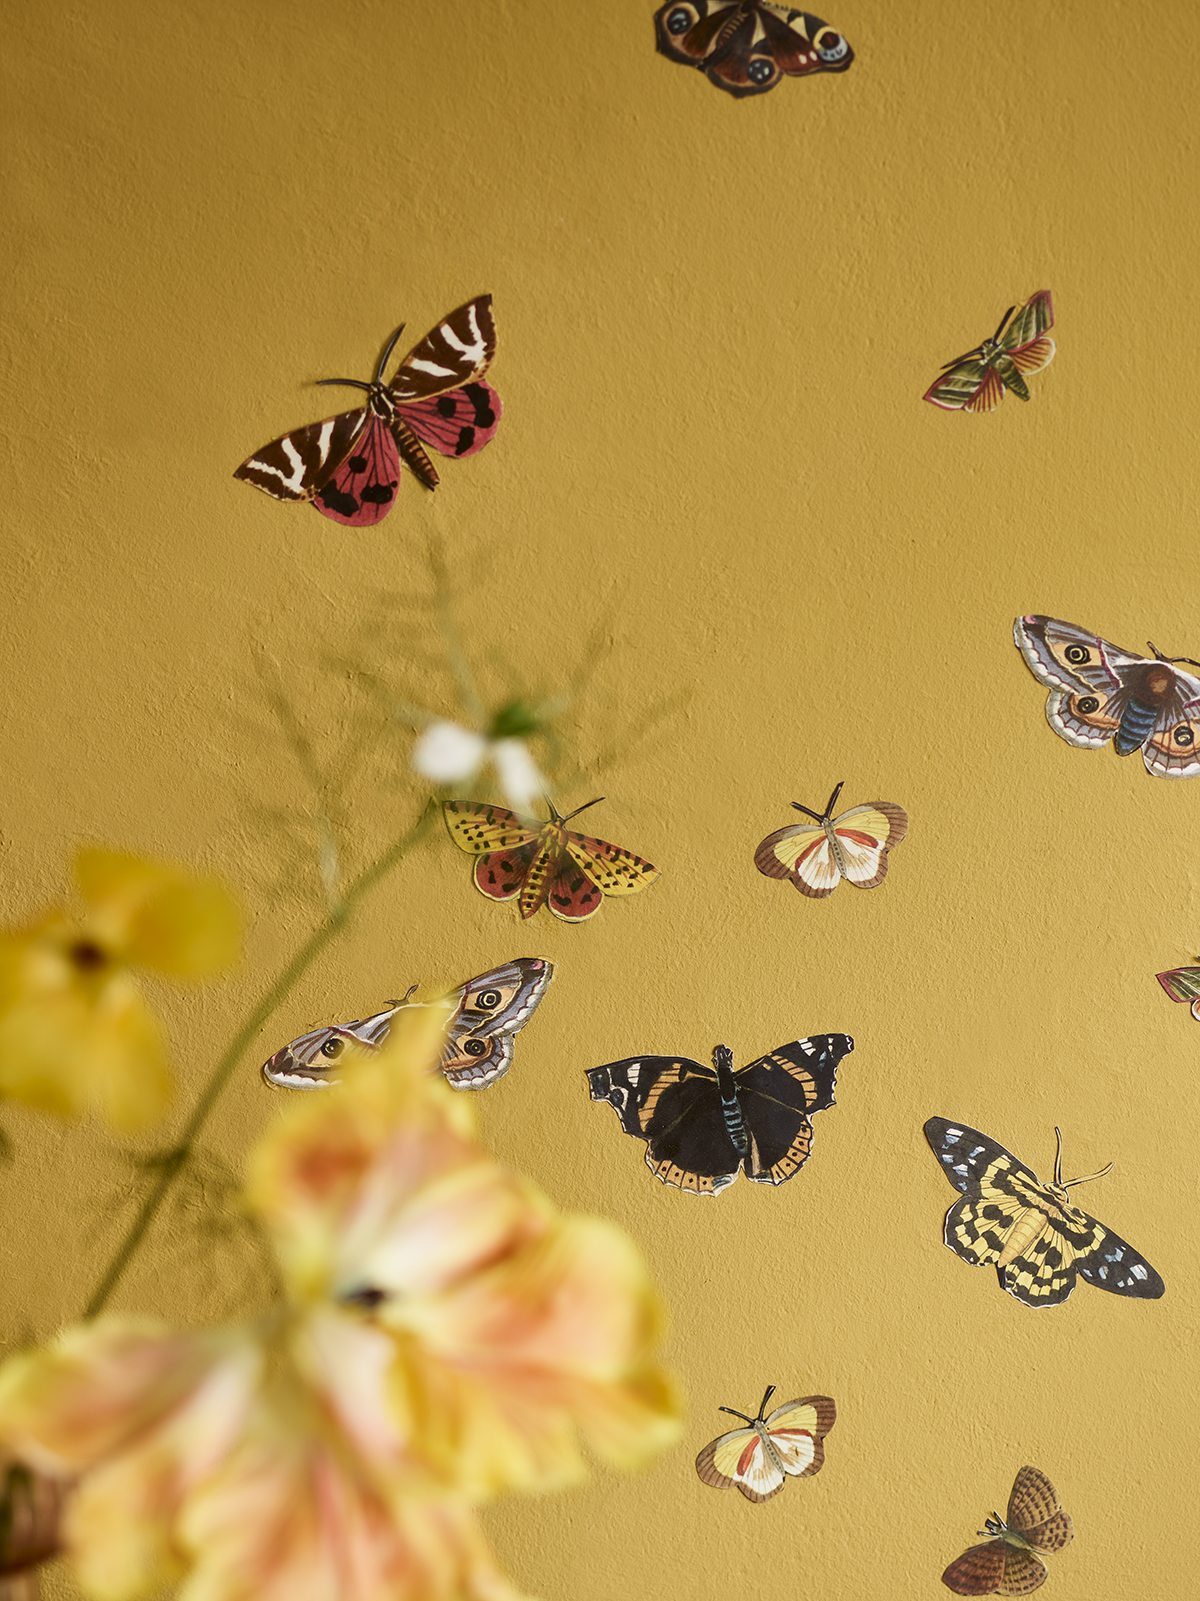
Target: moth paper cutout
{"points": [[748, 46], [704, 1125], [1182, 984], [1100, 693], [1009, 1563], [348, 467], [488, 1013], [540, 863], [759, 1459], [816, 856], [977, 381], [1029, 1231]]}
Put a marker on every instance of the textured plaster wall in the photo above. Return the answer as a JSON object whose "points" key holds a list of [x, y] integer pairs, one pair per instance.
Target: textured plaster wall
{"points": [[715, 321]]}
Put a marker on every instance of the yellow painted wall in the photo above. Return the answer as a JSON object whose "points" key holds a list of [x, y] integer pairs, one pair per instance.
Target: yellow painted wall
{"points": [[716, 321]]}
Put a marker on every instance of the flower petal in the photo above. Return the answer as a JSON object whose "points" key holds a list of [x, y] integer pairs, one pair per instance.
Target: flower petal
{"points": [[517, 771], [447, 754], [163, 916]]}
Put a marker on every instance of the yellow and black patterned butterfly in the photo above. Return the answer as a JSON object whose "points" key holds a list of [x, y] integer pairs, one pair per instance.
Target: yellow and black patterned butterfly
{"points": [[1008, 1564], [1037, 1240], [758, 1460]]}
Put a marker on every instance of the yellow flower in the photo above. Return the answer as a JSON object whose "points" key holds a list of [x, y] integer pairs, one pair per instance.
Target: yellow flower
{"points": [[75, 1031], [243, 1465], [514, 1326], [446, 1334]]}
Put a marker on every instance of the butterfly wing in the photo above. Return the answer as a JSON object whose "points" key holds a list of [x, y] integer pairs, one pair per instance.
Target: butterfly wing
{"points": [[1027, 326], [491, 1009], [455, 353], [1173, 749], [1024, 1572], [311, 1061], [591, 868], [777, 1093], [979, 1571], [1036, 1513], [457, 423], [674, 1105], [1182, 984], [797, 1431], [747, 50], [741, 1460], [506, 844], [802, 853], [972, 384], [865, 835], [362, 489], [296, 465]]}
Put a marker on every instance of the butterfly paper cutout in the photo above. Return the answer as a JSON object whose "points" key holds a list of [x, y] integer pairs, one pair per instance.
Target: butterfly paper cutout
{"points": [[758, 1460], [1036, 1238], [348, 466], [704, 1124], [1100, 692], [748, 46], [1182, 984], [977, 381], [1008, 1564], [853, 846], [488, 1012], [543, 863]]}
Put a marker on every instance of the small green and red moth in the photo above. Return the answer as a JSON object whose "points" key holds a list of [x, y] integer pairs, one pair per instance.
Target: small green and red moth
{"points": [[977, 381]]}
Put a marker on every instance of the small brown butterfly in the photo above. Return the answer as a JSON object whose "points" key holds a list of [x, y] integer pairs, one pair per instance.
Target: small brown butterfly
{"points": [[543, 863], [1008, 1563]]}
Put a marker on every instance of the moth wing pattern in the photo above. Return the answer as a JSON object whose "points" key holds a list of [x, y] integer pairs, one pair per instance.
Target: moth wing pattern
{"points": [[776, 1093], [614, 870], [979, 1571], [1182, 984], [1036, 1512], [491, 1008], [748, 51], [308, 1062], [672, 1103], [966, 1154], [455, 353], [801, 853], [480, 829], [972, 384], [1029, 323], [1173, 749], [362, 489], [296, 465], [459, 422]]}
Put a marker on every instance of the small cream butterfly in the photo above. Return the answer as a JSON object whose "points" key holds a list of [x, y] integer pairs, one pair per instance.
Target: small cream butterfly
{"points": [[817, 855], [758, 1460]]}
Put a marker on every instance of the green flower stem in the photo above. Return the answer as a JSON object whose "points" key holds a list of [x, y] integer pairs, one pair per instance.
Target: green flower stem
{"points": [[177, 1158]]}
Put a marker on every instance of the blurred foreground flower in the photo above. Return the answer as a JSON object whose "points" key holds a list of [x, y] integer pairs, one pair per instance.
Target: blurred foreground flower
{"points": [[449, 754], [445, 1333], [30, 1506], [75, 1031]]}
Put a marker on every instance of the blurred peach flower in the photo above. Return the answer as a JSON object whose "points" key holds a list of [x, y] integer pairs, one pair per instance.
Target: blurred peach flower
{"points": [[76, 1033], [30, 1506], [445, 1335]]}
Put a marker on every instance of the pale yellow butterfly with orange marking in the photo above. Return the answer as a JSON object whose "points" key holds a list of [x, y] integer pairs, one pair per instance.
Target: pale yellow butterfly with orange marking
{"points": [[759, 1460], [816, 856]]}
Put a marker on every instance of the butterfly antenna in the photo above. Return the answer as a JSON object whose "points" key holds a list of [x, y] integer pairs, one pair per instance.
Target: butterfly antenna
{"points": [[735, 1414], [1158, 653], [1003, 322], [833, 801], [762, 1411], [966, 356], [1058, 1178], [343, 383], [828, 812], [582, 808], [387, 350]]}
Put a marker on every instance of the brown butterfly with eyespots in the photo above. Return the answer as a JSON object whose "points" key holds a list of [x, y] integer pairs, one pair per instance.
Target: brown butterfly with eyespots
{"points": [[1008, 1563]]}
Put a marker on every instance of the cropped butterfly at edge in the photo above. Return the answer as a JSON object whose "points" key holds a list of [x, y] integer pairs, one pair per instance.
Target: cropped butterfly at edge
{"points": [[1037, 1240], [490, 1009], [1100, 692], [704, 1124], [543, 863], [977, 381], [1182, 984], [348, 466], [758, 1460], [853, 846], [748, 46], [1008, 1564]]}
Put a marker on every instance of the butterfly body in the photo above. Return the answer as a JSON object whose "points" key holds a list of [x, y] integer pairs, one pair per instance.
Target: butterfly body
{"points": [[487, 1011], [1030, 1231], [1008, 1563], [1100, 693], [977, 381], [853, 846], [748, 46], [543, 863], [703, 1125], [348, 466], [759, 1459]]}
